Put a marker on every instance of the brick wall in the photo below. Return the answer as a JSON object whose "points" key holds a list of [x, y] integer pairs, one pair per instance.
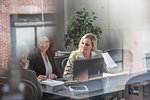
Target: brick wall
{"points": [[8, 7]]}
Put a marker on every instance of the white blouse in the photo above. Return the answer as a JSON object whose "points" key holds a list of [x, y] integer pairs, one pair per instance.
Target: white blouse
{"points": [[81, 56], [48, 66]]}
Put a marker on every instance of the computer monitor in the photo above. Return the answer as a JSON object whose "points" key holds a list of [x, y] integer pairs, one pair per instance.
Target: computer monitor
{"points": [[87, 68]]}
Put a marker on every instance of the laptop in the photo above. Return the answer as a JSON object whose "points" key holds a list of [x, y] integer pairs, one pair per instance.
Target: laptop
{"points": [[87, 68]]}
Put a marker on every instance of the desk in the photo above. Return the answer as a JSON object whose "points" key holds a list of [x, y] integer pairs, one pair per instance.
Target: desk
{"points": [[97, 87], [59, 57]]}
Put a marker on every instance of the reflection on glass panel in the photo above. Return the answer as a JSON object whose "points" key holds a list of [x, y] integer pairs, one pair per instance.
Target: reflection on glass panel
{"points": [[24, 36], [49, 30], [125, 25]]}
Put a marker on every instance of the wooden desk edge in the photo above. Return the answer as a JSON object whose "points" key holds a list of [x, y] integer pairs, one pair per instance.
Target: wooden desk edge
{"points": [[64, 56]]}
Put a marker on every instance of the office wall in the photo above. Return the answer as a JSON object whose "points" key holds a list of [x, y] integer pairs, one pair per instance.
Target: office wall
{"points": [[60, 25], [125, 24], [111, 37], [14, 7], [115, 17]]}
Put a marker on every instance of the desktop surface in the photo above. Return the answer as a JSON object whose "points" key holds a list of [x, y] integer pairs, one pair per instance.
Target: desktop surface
{"points": [[102, 86]]}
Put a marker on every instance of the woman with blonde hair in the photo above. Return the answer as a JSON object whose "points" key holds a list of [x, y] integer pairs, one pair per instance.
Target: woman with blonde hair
{"points": [[87, 49]]}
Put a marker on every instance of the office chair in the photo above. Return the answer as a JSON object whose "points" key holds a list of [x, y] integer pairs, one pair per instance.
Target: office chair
{"points": [[147, 60], [58, 62], [30, 90], [63, 63], [119, 58], [3, 81], [138, 87]]}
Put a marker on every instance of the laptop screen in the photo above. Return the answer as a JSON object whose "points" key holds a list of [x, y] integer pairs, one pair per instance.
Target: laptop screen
{"points": [[87, 68]]}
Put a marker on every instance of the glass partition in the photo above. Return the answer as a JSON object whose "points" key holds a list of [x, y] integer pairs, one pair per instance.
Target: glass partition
{"points": [[125, 26]]}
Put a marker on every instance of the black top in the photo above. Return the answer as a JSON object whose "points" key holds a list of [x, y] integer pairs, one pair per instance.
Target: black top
{"points": [[36, 63]]}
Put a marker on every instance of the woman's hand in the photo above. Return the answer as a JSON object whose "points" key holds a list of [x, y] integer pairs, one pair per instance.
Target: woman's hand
{"points": [[40, 78], [52, 76]]}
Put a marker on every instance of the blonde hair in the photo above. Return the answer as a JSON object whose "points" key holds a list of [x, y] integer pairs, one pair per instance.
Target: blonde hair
{"points": [[93, 39]]}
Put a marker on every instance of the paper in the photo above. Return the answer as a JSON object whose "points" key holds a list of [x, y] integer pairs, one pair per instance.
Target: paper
{"points": [[52, 82], [107, 74], [115, 74], [108, 60]]}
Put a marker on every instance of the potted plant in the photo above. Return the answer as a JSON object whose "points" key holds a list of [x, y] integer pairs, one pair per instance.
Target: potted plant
{"points": [[79, 25]]}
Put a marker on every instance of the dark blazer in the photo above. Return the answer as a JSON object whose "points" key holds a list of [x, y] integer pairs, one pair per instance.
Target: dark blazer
{"points": [[36, 63]]}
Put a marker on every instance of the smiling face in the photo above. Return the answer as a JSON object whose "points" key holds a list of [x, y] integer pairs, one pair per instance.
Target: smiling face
{"points": [[43, 44], [86, 46]]}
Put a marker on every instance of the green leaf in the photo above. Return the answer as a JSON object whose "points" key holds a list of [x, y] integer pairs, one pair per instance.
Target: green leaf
{"points": [[80, 24]]}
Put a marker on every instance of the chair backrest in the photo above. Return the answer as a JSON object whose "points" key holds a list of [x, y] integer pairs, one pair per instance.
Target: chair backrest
{"points": [[30, 91], [63, 63], [147, 60], [3, 81], [138, 87], [118, 56]]}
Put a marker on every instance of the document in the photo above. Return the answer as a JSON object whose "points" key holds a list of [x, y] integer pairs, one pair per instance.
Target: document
{"points": [[108, 60], [115, 74], [52, 82]]}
